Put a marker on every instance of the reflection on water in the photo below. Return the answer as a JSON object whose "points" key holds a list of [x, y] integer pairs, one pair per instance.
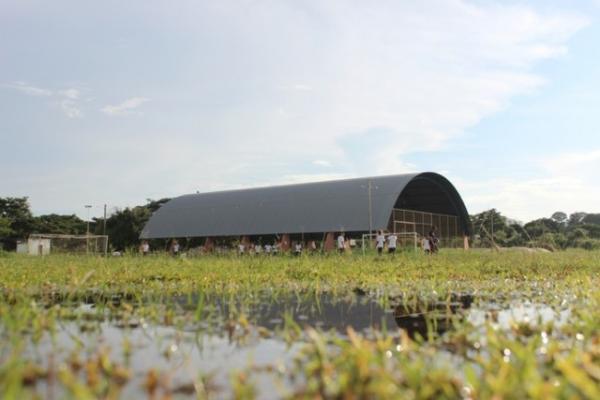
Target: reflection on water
{"points": [[205, 348], [436, 317]]}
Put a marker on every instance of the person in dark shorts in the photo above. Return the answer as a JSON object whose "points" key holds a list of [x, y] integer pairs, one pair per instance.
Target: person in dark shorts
{"points": [[341, 243], [433, 239], [392, 240], [145, 248], [298, 249], [379, 242], [174, 248]]}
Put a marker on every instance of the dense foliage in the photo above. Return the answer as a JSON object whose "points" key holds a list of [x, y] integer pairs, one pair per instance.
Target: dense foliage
{"points": [[123, 226], [580, 230]]}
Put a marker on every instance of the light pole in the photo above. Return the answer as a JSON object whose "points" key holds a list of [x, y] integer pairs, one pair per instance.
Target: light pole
{"points": [[104, 222], [87, 232], [370, 211], [370, 188]]}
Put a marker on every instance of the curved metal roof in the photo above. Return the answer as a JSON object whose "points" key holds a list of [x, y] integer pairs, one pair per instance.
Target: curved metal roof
{"points": [[332, 206]]}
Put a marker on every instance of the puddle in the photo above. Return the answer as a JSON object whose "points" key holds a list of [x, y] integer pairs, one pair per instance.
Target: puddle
{"points": [[213, 349]]}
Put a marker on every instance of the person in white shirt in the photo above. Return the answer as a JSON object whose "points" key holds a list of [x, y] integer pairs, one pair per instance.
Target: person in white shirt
{"points": [[379, 242], [341, 242], [298, 248], [268, 248], [174, 247], [392, 242], [426, 245], [145, 248], [241, 248], [257, 249]]}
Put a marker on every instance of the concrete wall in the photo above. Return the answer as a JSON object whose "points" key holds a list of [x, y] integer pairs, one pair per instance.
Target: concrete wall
{"points": [[38, 247]]}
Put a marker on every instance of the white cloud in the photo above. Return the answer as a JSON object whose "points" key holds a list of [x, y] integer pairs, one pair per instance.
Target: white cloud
{"points": [[299, 87], [302, 88], [125, 107], [569, 182], [70, 109], [392, 77], [259, 90], [71, 93], [579, 164], [322, 163], [422, 72], [305, 178], [531, 198], [68, 103], [30, 90]]}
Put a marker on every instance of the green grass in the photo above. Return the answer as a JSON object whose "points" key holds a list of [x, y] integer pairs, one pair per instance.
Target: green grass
{"points": [[517, 358]]}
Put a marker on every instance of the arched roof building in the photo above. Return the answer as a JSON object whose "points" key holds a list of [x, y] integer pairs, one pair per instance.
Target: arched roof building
{"points": [[350, 205]]}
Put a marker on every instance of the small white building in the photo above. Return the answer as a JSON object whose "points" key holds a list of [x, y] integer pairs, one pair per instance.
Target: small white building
{"points": [[22, 247], [38, 246]]}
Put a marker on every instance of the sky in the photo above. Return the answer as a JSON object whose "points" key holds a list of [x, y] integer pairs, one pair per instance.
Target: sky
{"points": [[118, 102]]}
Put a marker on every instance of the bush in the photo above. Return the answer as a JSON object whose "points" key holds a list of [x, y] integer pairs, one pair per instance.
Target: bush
{"points": [[588, 244]]}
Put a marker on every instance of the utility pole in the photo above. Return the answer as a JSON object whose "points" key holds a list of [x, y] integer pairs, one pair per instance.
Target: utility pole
{"points": [[104, 222], [370, 212], [492, 212], [87, 233]]}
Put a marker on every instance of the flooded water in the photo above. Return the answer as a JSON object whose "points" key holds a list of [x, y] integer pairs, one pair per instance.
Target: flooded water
{"points": [[214, 349]]}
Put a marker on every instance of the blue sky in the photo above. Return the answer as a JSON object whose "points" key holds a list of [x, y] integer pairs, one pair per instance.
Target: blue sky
{"points": [[116, 102]]}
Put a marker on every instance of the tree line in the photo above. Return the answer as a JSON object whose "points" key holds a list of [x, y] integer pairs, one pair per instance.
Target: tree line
{"points": [[123, 226], [559, 231]]}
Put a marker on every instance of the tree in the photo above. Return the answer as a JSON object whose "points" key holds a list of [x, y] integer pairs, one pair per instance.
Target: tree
{"points": [[64, 224], [125, 226], [16, 211], [576, 218], [575, 235], [539, 227], [559, 217], [591, 219], [491, 222], [5, 229]]}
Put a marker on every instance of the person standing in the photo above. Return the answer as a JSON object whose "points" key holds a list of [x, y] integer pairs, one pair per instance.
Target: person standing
{"points": [[392, 240], [426, 245], [298, 249], [433, 240], [379, 242], [145, 248], [174, 248], [341, 243]]}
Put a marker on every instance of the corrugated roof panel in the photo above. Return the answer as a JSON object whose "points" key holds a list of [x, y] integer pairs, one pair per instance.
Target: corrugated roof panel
{"points": [[303, 208]]}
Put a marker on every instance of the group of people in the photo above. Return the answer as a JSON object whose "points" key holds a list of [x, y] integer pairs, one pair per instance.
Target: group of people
{"points": [[429, 244], [274, 248], [258, 248], [381, 239], [174, 248]]}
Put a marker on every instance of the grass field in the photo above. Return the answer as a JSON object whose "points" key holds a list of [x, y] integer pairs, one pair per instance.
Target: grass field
{"points": [[474, 325]]}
